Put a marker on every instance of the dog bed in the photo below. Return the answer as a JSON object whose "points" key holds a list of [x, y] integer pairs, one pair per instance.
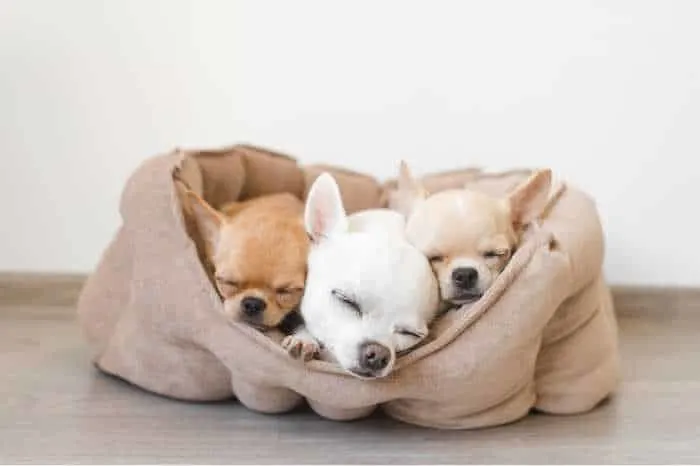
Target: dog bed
{"points": [[543, 337]]}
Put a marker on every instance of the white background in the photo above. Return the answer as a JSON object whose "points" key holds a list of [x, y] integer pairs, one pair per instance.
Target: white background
{"points": [[606, 93]]}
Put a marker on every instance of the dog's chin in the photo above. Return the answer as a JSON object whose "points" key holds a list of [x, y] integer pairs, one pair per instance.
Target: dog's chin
{"points": [[465, 297], [365, 374], [256, 324]]}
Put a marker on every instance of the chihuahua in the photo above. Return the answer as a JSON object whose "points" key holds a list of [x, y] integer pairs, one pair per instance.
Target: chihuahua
{"points": [[468, 236], [258, 250], [370, 295]]}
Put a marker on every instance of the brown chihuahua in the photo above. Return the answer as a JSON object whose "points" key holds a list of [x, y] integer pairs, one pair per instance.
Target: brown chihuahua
{"points": [[258, 249]]}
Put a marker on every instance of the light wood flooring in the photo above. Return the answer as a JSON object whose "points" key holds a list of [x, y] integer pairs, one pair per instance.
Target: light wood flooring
{"points": [[55, 408]]}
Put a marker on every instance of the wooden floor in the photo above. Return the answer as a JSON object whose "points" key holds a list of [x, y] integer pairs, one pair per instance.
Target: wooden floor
{"points": [[57, 409]]}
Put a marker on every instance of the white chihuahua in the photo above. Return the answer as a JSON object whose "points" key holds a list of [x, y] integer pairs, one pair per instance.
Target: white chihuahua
{"points": [[369, 294]]}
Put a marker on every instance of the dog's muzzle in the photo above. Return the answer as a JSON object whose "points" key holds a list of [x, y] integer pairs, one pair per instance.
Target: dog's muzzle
{"points": [[373, 359], [465, 285]]}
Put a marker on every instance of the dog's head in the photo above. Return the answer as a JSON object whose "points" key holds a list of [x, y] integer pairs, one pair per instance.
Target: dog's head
{"points": [[369, 294], [468, 236], [258, 252]]}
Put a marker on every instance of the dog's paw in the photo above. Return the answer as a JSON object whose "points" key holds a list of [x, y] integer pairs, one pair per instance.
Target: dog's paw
{"points": [[298, 347]]}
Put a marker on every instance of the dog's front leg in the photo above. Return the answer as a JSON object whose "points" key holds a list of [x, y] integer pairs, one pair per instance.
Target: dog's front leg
{"points": [[301, 344]]}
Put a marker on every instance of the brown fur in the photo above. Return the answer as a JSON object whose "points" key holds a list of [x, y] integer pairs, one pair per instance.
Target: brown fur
{"points": [[258, 249]]}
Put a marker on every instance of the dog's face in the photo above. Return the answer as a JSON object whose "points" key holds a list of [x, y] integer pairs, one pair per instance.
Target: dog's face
{"points": [[468, 236], [259, 257], [368, 295]]}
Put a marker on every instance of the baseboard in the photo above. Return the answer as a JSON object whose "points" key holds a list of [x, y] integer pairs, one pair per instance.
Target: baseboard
{"points": [[655, 300], [40, 289], [62, 290]]}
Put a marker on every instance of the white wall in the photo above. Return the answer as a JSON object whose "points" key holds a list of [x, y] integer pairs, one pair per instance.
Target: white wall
{"points": [[606, 93]]}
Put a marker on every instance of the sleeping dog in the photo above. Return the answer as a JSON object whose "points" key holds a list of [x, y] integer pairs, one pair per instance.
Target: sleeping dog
{"points": [[369, 294], [258, 250], [468, 236]]}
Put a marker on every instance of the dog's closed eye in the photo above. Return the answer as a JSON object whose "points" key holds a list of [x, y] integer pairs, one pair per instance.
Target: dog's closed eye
{"points": [[227, 286], [435, 259], [347, 300], [493, 253], [409, 332], [288, 295], [288, 291], [410, 338]]}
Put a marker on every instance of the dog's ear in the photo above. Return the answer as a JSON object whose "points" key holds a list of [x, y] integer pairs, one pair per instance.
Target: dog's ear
{"points": [[208, 220], [324, 213], [409, 192], [232, 208], [529, 199]]}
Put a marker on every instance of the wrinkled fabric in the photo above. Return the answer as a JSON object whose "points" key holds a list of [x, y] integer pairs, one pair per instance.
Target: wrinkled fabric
{"points": [[543, 337]]}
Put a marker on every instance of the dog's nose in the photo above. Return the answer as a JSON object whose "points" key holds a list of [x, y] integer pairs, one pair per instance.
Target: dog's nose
{"points": [[252, 306], [374, 356], [465, 277]]}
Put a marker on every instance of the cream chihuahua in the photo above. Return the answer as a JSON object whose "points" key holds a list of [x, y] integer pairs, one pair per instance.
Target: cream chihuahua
{"points": [[468, 236], [369, 293]]}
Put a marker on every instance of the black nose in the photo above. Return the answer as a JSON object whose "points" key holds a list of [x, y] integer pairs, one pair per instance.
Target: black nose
{"points": [[252, 306], [374, 356], [465, 277]]}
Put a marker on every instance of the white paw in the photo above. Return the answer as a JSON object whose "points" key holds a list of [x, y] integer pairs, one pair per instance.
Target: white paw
{"points": [[299, 347]]}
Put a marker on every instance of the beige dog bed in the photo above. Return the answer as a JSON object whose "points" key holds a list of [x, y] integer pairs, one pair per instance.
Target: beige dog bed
{"points": [[544, 336]]}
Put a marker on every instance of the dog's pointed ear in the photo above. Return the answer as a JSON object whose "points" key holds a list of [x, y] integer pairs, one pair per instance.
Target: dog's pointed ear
{"points": [[232, 208], [208, 220], [529, 199], [409, 191], [324, 213]]}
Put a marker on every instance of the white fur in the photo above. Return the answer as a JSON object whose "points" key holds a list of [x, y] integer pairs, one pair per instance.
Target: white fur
{"points": [[366, 257]]}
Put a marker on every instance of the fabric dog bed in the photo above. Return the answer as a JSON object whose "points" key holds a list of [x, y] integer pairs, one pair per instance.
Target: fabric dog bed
{"points": [[544, 336]]}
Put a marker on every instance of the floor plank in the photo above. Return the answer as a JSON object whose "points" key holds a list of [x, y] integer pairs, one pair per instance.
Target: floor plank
{"points": [[58, 409]]}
